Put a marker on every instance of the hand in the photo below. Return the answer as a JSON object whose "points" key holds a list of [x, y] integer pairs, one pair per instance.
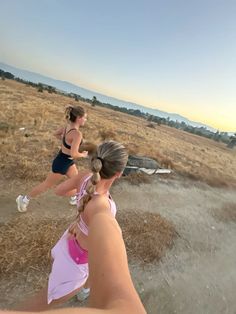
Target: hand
{"points": [[84, 154]]}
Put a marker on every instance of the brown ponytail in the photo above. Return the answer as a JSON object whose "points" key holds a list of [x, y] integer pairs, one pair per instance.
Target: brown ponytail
{"points": [[96, 166], [73, 112]]}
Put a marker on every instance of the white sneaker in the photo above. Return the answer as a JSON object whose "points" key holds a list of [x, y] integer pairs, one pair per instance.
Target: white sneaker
{"points": [[73, 200], [83, 294], [22, 203]]}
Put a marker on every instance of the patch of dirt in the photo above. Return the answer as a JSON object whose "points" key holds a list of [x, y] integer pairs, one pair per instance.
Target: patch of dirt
{"points": [[226, 213]]}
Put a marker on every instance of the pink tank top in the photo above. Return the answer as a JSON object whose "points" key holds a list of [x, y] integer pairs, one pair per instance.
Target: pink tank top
{"points": [[82, 225], [77, 253]]}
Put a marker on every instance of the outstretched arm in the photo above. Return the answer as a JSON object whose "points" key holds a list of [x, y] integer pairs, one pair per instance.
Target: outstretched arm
{"points": [[111, 283], [112, 290]]}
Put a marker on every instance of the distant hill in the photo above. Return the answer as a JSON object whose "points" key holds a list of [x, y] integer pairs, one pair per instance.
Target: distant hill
{"points": [[72, 88]]}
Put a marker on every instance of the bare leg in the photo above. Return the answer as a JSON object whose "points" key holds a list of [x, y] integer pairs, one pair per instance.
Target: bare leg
{"points": [[39, 303], [72, 171], [51, 180]]}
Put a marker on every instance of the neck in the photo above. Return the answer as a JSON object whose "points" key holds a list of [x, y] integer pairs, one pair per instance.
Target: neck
{"points": [[104, 185], [74, 125]]}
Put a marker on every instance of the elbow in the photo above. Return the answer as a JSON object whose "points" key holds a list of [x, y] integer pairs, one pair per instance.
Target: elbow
{"points": [[73, 154]]}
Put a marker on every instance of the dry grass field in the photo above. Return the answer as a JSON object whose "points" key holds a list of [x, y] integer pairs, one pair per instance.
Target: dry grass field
{"points": [[29, 152], [179, 229]]}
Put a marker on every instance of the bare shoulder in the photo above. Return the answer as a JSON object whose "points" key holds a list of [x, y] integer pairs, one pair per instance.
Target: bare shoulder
{"points": [[75, 132], [98, 204]]}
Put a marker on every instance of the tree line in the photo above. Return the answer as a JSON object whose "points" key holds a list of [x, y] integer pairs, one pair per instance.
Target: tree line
{"points": [[153, 120]]}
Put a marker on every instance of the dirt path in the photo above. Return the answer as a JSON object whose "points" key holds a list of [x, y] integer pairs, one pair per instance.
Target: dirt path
{"points": [[198, 274]]}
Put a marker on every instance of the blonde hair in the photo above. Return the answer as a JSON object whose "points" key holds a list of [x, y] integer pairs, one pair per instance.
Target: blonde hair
{"points": [[111, 157]]}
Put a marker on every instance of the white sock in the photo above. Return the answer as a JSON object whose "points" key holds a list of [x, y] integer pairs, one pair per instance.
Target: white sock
{"points": [[26, 199], [86, 290]]}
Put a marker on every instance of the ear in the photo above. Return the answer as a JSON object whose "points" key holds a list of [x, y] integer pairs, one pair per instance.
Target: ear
{"points": [[118, 174]]}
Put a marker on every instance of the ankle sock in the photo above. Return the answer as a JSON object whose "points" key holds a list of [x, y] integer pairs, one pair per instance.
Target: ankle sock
{"points": [[86, 290], [26, 199]]}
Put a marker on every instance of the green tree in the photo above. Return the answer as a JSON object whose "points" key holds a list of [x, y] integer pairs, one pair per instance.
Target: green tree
{"points": [[232, 142], [51, 89], [94, 101], [40, 88]]}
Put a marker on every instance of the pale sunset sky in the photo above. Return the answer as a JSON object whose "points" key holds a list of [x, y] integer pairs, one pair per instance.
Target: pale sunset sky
{"points": [[178, 56]]}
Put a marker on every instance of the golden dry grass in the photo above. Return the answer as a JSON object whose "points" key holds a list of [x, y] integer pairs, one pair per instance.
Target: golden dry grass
{"points": [[28, 154], [25, 243], [146, 235]]}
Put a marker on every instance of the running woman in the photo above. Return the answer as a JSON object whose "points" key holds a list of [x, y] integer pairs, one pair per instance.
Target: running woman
{"points": [[64, 163]]}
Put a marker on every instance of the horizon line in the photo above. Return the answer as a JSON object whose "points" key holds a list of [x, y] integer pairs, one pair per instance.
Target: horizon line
{"points": [[127, 101]]}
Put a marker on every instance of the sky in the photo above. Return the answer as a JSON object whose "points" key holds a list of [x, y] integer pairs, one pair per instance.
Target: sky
{"points": [[178, 56]]}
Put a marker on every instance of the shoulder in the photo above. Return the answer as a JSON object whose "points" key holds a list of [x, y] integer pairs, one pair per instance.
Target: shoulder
{"points": [[98, 204], [76, 134]]}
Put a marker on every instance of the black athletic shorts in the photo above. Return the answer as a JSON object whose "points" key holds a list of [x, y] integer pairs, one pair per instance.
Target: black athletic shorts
{"points": [[62, 163]]}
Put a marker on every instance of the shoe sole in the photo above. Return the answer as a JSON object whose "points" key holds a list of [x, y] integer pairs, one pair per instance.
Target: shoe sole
{"points": [[82, 299], [19, 207], [73, 204]]}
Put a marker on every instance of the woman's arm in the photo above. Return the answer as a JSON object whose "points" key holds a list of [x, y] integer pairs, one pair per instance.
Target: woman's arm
{"points": [[74, 151], [111, 284], [72, 185], [59, 133], [112, 289]]}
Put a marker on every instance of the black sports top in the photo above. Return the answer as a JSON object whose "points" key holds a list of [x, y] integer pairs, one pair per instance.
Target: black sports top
{"points": [[64, 139]]}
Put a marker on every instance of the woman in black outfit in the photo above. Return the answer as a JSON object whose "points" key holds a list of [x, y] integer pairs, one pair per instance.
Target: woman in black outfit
{"points": [[63, 164]]}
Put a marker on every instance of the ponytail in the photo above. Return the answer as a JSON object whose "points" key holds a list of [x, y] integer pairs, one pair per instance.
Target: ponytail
{"points": [[73, 112], [110, 158], [96, 166], [68, 112]]}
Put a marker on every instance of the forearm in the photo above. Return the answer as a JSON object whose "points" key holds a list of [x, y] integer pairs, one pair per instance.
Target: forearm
{"points": [[111, 284], [77, 155]]}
